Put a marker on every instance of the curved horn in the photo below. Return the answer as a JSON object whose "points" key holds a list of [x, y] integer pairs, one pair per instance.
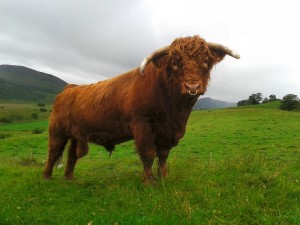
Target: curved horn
{"points": [[158, 53], [222, 48]]}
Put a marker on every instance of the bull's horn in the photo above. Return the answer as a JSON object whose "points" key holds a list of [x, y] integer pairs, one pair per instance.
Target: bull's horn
{"points": [[222, 48], [158, 53]]}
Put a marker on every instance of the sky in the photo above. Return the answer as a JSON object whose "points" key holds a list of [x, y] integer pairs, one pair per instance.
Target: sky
{"points": [[87, 41]]}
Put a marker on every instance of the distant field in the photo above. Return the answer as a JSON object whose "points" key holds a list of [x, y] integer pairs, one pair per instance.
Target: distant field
{"points": [[25, 126], [22, 111], [234, 166]]}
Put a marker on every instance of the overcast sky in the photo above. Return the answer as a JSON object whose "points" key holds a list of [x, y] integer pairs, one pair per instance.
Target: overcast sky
{"points": [[87, 41]]}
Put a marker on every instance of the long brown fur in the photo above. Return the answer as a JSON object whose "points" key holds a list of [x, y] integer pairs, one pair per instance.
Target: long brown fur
{"points": [[152, 109]]}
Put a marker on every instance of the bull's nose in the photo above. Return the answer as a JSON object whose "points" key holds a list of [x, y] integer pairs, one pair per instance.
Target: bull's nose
{"points": [[192, 88]]}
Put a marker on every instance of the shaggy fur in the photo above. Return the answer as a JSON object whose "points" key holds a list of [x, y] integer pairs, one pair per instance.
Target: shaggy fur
{"points": [[152, 109]]}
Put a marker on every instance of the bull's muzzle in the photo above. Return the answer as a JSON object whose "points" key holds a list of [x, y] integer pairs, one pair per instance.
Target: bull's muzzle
{"points": [[193, 89]]}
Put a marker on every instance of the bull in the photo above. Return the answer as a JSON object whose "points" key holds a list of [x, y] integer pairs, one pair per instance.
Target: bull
{"points": [[150, 104]]}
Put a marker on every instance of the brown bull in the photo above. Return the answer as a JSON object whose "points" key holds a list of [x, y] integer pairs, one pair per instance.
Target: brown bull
{"points": [[150, 104]]}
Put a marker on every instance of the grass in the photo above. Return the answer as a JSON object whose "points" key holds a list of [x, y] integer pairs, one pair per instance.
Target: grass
{"points": [[42, 124], [234, 166]]}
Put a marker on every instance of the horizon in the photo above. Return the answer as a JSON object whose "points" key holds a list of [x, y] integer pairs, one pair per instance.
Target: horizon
{"points": [[200, 97]]}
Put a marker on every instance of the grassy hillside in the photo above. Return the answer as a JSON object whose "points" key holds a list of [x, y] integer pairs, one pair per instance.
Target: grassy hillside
{"points": [[234, 166], [22, 112], [19, 83], [269, 105]]}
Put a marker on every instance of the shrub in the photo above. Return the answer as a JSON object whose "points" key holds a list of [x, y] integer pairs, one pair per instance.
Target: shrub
{"points": [[5, 135], [243, 102], [266, 100], [41, 104], [43, 110], [5, 120], [37, 131], [34, 116]]}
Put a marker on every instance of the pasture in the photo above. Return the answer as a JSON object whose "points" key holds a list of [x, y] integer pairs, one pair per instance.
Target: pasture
{"points": [[234, 166]]}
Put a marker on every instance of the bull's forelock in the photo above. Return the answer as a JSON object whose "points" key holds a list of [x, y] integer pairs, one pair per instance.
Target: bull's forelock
{"points": [[192, 48], [189, 46]]}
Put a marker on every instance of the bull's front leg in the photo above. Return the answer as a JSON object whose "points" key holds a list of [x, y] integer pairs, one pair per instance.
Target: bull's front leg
{"points": [[144, 141], [162, 159]]}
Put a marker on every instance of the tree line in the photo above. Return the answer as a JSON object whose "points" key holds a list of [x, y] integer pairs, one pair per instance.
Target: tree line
{"points": [[288, 102]]}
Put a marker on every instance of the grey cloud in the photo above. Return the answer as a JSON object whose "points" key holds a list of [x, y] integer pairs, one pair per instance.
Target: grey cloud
{"points": [[104, 37]]}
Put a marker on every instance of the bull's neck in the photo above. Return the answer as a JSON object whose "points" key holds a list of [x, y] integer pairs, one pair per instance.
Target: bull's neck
{"points": [[174, 104]]}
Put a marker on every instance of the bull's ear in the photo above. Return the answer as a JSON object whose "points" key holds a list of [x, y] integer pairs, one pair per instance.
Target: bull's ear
{"points": [[219, 51], [217, 56], [159, 62]]}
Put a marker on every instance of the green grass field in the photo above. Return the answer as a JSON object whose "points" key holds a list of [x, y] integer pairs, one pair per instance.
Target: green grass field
{"points": [[234, 166]]}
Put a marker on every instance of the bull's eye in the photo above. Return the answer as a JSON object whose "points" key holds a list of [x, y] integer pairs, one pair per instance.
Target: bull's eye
{"points": [[205, 65], [175, 67]]}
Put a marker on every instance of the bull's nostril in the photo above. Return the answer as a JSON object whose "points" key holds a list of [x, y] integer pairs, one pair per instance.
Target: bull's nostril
{"points": [[192, 86]]}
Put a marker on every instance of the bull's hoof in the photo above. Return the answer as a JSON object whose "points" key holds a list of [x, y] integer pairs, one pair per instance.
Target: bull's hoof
{"points": [[47, 176], [150, 180], [69, 177], [162, 174]]}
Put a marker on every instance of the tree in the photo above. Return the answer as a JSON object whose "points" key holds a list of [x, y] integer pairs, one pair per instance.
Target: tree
{"points": [[266, 100], [272, 98], [290, 102], [255, 98], [243, 102]]}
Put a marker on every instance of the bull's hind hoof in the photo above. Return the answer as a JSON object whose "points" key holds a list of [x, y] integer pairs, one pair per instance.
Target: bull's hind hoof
{"points": [[69, 177], [47, 176], [150, 181]]}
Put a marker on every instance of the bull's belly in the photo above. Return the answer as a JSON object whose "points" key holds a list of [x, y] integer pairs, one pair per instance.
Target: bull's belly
{"points": [[106, 138]]}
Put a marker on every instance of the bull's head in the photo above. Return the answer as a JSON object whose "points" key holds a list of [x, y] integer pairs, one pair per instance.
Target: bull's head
{"points": [[189, 61]]}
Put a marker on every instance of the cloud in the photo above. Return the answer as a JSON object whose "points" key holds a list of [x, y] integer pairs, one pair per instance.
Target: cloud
{"points": [[95, 36]]}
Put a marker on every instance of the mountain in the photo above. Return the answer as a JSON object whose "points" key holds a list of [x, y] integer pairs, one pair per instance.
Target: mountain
{"points": [[209, 103], [24, 84]]}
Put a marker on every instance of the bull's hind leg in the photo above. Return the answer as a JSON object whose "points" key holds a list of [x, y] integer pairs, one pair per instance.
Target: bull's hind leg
{"points": [[56, 148], [77, 150], [72, 158]]}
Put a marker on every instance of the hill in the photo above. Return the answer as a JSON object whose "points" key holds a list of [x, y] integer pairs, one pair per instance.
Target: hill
{"points": [[209, 103], [24, 84]]}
